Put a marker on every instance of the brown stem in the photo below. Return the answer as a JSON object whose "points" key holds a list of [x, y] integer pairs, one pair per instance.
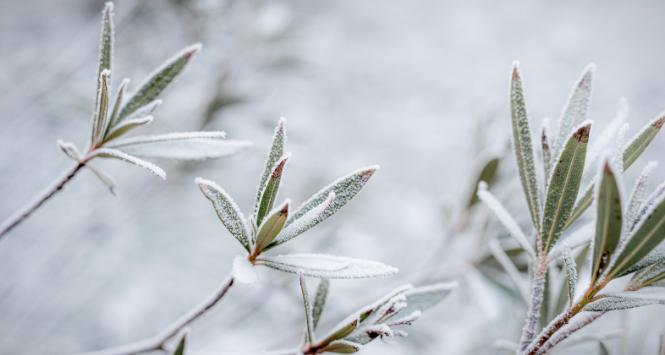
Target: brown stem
{"points": [[159, 341], [31, 207]]}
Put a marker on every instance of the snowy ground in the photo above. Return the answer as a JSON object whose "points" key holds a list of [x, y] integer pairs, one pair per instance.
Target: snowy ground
{"points": [[400, 84]]}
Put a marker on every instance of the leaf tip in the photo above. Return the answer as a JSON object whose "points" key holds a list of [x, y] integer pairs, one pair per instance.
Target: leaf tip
{"points": [[515, 71], [368, 172], [190, 51], [659, 122], [582, 132]]}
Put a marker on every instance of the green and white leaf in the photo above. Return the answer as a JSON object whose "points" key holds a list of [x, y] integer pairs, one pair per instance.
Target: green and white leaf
{"points": [[342, 347], [115, 111], [487, 174], [523, 147], [344, 188], [127, 125], [571, 273], [275, 154], [575, 111], [327, 266], [609, 217], [564, 185], [120, 155], [546, 149], [305, 222], [320, 301], [227, 210], [637, 196], [106, 40], [180, 145], [156, 82], [269, 193], [101, 107], [309, 322], [425, 297], [505, 218], [620, 302], [648, 234], [271, 226]]}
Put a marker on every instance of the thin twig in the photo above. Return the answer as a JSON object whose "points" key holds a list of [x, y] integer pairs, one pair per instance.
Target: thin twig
{"points": [[533, 312], [157, 342], [564, 333], [20, 216]]}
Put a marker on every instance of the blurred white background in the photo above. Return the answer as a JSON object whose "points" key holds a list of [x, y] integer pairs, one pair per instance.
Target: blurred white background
{"points": [[402, 84]]}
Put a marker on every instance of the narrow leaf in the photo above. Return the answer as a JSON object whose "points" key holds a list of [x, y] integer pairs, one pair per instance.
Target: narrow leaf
{"points": [[563, 186], [505, 218], [304, 223], [486, 174], [617, 303], [181, 145], [126, 126], [180, 349], [227, 210], [269, 193], [342, 330], [647, 236], [425, 297], [638, 196], [308, 309], [344, 188], [276, 152], [523, 147], [649, 275], [575, 110], [320, 301], [342, 347], [106, 40], [153, 86], [608, 221], [631, 152], [101, 107], [656, 256], [117, 154], [571, 274], [70, 150], [272, 225], [327, 266], [115, 111], [546, 149]]}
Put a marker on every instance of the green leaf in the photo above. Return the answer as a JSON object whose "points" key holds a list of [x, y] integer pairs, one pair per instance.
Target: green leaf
{"points": [[609, 218], [571, 274], [101, 107], [631, 152], [275, 154], [649, 275], [342, 330], [646, 237], [342, 347], [304, 223], [226, 209], [425, 297], [320, 301], [637, 197], [269, 193], [271, 227], [115, 111], [327, 266], [153, 86], [344, 188], [563, 186], [106, 40], [486, 174], [620, 302], [180, 349], [523, 147], [308, 310], [120, 155], [576, 108], [126, 126], [545, 147]]}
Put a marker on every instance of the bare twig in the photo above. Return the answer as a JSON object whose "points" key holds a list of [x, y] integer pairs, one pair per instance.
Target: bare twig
{"points": [[157, 342], [533, 312], [20, 216], [564, 333]]}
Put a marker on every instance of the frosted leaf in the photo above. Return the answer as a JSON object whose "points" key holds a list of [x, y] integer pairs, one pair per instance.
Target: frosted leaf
{"points": [[487, 174], [564, 185], [507, 264], [327, 266], [227, 210], [342, 347], [101, 107], [103, 177], [276, 152], [269, 193], [420, 299], [620, 302], [648, 234], [271, 226], [646, 206], [345, 189], [605, 138], [368, 312], [126, 126], [181, 145], [243, 270], [115, 111], [505, 218], [617, 150], [637, 196], [106, 39], [576, 108], [571, 272], [366, 334], [309, 322], [609, 219], [70, 150], [146, 110], [158, 81], [656, 256], [180, 348], [523, 147], [320, 301], [117, 154], [343, 329], [546, 148], [305, 222]]}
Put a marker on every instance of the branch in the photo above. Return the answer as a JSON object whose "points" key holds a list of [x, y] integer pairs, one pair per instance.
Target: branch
{"points": [[21, 215], [533, 313], [564, 333], [157, 342]]}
